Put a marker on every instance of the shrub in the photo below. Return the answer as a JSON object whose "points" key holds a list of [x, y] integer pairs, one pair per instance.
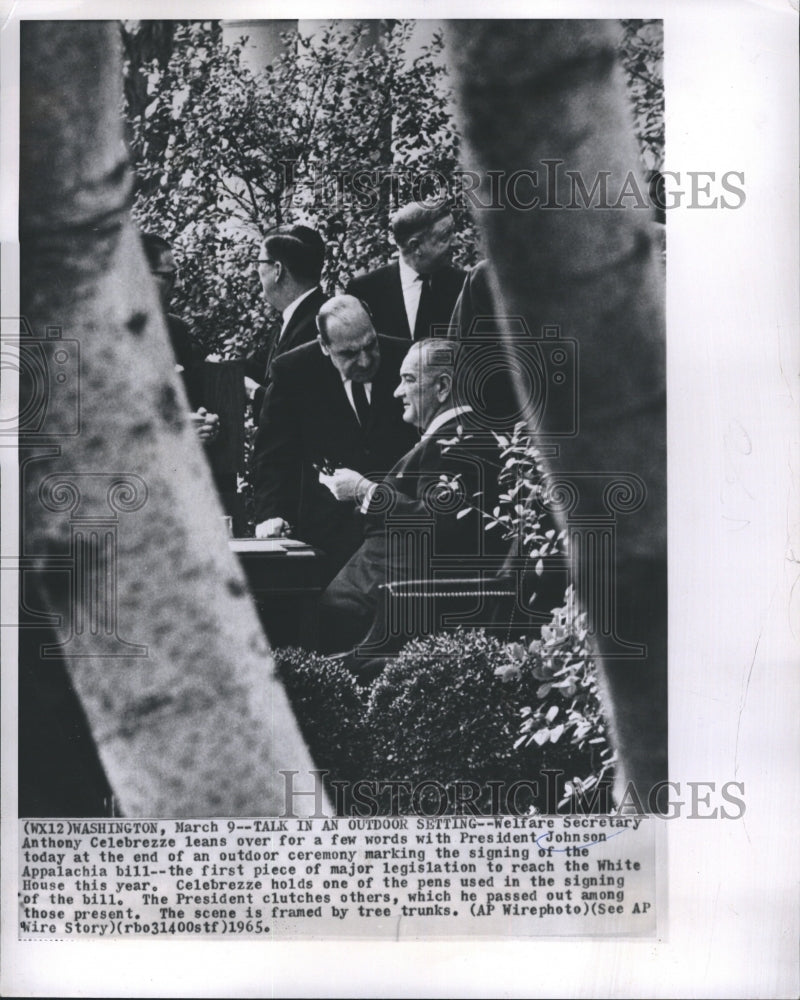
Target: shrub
{"points": [[330, 708], [564, 709], [440, 713], [449, 710], [454, 713]]}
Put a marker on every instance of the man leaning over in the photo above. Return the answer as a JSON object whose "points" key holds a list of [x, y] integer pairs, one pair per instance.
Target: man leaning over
{"points": [[329, 404]]}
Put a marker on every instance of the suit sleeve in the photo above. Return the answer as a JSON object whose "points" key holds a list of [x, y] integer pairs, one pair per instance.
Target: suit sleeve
{"points": [[277, 450], [355, 286], [444, 488]]}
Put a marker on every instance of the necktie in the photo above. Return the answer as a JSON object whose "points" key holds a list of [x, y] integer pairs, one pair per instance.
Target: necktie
{"points": [[422, 324], [361, 403], [272, 351]]}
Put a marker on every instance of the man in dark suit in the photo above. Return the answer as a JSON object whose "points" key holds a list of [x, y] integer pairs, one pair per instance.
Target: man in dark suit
{"points": [[439, 490], [289, 267], [419, 290], [327, 402]]}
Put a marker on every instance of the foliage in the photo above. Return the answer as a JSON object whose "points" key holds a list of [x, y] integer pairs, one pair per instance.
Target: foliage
{"points": [[447, 710], [566, 706], [329, 707], [326, 135], [440, 713], [561, 658], [521, 512], [642, 56]]}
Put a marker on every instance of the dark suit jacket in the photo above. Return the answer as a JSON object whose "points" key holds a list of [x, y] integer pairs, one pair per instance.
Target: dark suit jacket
{"points": [[441, 486], [301, 329], [307, 418], [383, 293], [189, 356], [414, 496], [477, 323]]}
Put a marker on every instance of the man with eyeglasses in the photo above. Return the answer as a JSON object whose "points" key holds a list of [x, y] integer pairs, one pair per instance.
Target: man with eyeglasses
{"points": [[289, 267], [329, 405]]}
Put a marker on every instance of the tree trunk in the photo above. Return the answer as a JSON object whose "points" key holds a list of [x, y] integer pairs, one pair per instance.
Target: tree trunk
{"points": [[537, 91], [161, 640]]}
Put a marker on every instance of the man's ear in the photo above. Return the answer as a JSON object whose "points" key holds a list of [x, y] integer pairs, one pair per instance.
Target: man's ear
{"points": [[444, 386], [324, 347]]}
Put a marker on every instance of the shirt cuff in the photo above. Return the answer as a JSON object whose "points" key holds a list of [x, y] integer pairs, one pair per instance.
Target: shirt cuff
{"points": [[367, 498]]}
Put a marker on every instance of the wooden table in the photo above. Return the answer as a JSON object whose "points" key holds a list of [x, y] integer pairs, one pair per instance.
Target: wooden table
{"points": [[285, 578]]}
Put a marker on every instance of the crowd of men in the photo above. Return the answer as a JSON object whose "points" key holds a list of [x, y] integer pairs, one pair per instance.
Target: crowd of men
{"points": [[367, 446]]}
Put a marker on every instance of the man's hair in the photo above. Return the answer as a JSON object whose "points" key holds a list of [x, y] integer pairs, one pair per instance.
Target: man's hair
{"points": [[440, 354], [300, 249], [415, 218], [154, 247], [338, 308]]}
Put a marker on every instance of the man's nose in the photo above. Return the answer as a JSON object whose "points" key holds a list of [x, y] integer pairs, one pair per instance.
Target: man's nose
{"points": [[398, 392]]}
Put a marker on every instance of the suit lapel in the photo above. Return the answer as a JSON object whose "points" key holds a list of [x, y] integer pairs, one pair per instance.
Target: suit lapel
{"points": [[339, 409], [397, 304], [307, 308], [407, 464]]}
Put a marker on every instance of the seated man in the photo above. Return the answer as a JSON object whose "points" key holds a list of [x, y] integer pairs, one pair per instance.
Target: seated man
{"points": [[328, 402], [428, 510]]}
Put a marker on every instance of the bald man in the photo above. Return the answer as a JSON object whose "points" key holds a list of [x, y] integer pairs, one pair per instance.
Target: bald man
{"points": [[431, 488], [329, 403]]}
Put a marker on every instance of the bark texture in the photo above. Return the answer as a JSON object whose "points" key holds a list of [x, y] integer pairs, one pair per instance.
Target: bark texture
{"points": [[198, 725], [531, 93]]}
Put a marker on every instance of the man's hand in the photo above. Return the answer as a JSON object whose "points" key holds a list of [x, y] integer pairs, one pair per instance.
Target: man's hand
{"points": [[206, 424], [345, 484], [273, 527]]}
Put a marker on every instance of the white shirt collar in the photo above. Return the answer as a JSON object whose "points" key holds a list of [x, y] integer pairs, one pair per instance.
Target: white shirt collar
{"points": [[289, 311], [442, 418], [348, 389], [408, 276]]}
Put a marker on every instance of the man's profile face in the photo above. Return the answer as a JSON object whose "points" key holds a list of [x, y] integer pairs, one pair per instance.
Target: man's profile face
{"points": [[418, 390], [164, 273], [266, 273], [353, 346], [435, 246]]}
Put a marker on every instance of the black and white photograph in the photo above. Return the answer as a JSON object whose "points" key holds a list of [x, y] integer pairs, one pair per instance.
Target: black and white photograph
{"points": [[399, 445]]}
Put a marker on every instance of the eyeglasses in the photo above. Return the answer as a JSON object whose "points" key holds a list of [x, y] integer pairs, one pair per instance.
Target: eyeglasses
{"points": [[266, 260]]}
